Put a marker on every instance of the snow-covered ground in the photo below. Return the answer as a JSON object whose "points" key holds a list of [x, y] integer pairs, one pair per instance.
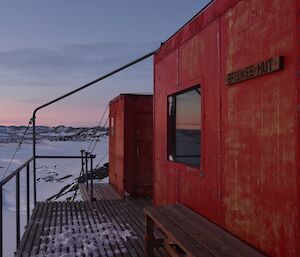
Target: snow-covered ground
{"points": [[52, 174]]}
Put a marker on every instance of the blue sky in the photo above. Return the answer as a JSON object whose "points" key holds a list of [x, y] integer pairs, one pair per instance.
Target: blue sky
{"points": [[48, 48]]}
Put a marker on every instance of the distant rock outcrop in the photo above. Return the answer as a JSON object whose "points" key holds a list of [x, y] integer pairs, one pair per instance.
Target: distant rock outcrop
{"points": [[13, 134]]}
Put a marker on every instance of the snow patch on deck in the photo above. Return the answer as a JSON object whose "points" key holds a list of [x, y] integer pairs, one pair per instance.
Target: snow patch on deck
{"points": [[84, 237]]}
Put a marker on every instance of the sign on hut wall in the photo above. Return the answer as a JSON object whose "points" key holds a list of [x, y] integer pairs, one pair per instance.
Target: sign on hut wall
{"points": [[255, 70]]}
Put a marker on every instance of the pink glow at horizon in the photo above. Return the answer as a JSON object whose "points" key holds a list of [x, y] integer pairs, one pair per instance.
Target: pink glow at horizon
{"points": [[19, 99], [84, 117], [188, 110], [46, 53], [12, 114]]}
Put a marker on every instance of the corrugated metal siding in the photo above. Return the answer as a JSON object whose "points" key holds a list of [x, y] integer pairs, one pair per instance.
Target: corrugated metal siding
{"points": [[251, 180], [259, 117], [297, 39]]}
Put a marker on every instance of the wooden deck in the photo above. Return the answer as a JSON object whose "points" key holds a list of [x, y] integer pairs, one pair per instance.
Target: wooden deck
{"points": [[101, 192], [86, 228]]}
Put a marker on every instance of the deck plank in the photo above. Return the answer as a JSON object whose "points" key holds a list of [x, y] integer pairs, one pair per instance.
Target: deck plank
{"points": [[29, 241], [104, 227], [129, 244], [97, 220], [43, 238], [28, 228], [101, 192]]}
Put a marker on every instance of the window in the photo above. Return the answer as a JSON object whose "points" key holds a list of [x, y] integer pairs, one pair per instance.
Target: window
{"points": [[184, 127]]}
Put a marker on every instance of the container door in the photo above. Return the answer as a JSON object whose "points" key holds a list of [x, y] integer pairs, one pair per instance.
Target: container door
{"points": [[116, 146], [144, 147]]}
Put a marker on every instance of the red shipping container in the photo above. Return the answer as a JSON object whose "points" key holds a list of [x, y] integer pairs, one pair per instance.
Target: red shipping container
{"points": [[246, 177], [131, 144]]}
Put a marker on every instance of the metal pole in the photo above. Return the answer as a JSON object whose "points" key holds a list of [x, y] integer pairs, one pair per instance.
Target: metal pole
{"points": [[96, 80], [1, 222], [71, 93], [86, 170], [28, 192], [82, 164], [34, 158], [92, 175], [18, 209]]}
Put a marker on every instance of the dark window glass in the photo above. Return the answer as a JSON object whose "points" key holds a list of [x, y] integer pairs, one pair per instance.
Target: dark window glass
{"points": [[184, 127]]}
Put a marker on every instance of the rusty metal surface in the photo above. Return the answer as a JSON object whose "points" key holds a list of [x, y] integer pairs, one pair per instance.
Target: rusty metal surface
{"points": [[116, 145], [297, 40], [130, 153], [249, 177]]}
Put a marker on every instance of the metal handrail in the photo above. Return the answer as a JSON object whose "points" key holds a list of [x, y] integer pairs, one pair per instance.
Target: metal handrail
{"points": [[71, 93], [84, 171], [10, 176], [16, 174], [91, 156], [83, 156], [59, 157]]}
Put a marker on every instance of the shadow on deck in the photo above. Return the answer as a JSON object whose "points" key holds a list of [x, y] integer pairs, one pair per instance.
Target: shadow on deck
{"points": [[101, 192], [106, 227]]}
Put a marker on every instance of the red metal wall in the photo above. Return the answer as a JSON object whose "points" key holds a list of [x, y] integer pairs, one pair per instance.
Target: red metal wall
{"points": [[131, 144], [251, 183], [116, 144]]}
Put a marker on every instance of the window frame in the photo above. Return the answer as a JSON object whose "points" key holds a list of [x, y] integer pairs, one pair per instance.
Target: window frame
{"points": [[171, 123]]}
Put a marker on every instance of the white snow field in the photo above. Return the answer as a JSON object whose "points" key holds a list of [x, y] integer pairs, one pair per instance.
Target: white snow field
{"points": [[52, 174]]}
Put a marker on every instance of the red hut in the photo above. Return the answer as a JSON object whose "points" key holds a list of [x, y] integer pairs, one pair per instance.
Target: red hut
{"points": [[226, 123], [130, 144]]}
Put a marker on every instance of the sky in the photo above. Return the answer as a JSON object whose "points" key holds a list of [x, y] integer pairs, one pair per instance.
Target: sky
{"points": [[188, 110], [51, 47]]}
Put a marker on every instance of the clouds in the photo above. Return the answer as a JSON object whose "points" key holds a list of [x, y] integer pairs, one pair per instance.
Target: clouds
{"points": [[30, 77], [66, 64]]}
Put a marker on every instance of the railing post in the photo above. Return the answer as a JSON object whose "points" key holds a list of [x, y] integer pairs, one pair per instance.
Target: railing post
{"points": [[18, 209], [92, 181], [1, 222], [34, 157], [86, 170], [28, 192], [82, 162]]}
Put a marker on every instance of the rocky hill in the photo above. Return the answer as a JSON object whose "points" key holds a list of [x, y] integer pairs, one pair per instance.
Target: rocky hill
{"points": [[13, 134]]}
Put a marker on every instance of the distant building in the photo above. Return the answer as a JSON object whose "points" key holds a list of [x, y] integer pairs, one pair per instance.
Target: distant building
{"points": [[131, 144]]}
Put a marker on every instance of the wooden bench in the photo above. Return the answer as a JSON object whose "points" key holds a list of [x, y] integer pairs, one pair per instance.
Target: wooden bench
{"points": [[189, 234]]}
